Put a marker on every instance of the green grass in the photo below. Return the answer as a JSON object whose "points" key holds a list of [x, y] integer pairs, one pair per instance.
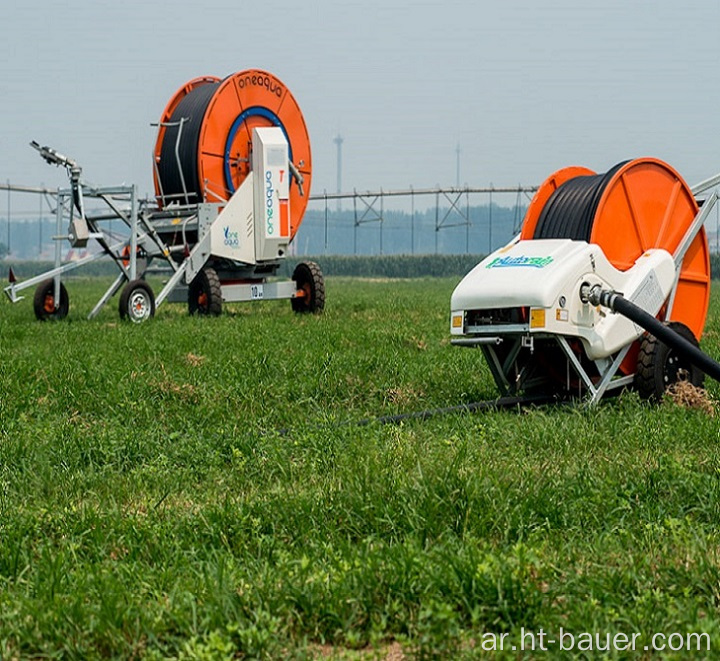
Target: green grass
{"points": [[151, 508]]}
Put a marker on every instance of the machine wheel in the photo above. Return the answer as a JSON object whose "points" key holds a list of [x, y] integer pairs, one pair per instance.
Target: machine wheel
{"points": [[44, 301], [659, 366], [309, 280], [205, 293], [137, 301]]}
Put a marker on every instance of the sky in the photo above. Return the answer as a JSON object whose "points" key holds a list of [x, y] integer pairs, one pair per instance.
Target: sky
{"points": [[523, 87]]}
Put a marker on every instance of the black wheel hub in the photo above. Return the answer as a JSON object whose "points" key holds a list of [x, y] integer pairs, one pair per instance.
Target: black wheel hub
{"points": [[676, 369]]}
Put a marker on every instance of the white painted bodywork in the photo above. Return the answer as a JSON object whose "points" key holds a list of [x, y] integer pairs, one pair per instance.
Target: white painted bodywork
{"points": [[232, 233], [272, 192], [254, 225], [545, 276]]}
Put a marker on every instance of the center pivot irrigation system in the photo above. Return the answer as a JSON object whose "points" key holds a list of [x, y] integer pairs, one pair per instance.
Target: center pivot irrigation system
{"points": [[607, 285], [232, 172]]}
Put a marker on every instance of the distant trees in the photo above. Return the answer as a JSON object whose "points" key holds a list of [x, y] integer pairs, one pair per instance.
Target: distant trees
{"points": [[3, 250]]}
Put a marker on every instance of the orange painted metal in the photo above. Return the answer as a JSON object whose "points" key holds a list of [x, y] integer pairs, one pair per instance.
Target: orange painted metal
{"points": [[647, 204], [284, 219], [542, 195], [238, 93], [243, 101]]}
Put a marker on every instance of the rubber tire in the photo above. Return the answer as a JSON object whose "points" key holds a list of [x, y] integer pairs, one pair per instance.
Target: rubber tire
{"points": [[128, 301], [308, 277], [42, 291], [205, 282], [658, 365]]}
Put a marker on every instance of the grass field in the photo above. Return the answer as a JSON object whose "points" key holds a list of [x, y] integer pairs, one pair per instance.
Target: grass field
{"points": [[151, 508]]}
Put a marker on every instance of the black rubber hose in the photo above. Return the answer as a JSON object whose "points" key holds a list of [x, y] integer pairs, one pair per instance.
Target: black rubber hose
{"points": [[192, 109], [570, 211], [508, 402], [663, 333]]}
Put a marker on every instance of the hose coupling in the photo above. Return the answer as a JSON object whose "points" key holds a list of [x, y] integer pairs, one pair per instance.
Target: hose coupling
{"points": [[596, 295]]}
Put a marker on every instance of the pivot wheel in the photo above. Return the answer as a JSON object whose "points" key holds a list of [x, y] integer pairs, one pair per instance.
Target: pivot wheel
{"points": [[137, 301], [205, 293], [44, 304], [310, 288], [660, 366]]}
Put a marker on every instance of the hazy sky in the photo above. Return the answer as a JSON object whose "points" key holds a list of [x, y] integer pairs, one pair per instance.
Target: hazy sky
{"points": [[524, 87]]}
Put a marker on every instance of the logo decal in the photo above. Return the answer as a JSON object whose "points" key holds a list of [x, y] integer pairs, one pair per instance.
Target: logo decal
{"points": [[231, 239], [269, 190], [521, 260]]}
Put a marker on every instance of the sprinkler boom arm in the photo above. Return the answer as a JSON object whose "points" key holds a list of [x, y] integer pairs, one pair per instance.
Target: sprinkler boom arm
{"points": [[78, 230], [54, 157]]}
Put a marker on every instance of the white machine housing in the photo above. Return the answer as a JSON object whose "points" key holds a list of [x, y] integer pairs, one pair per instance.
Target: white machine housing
{"points": [[272, 192], [254, 225], [544, 277]]}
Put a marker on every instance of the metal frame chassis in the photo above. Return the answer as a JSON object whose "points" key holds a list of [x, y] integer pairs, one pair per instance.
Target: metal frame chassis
{"points": [[684, 245], [144, 234], [510, 380], [65, 197]]}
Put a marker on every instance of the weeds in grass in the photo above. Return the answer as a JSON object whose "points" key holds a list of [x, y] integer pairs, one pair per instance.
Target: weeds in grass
{"points": [[684, 393]]}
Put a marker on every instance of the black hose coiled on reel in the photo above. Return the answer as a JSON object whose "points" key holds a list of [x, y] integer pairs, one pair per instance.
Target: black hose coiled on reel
{"points": [[192, 109], [570, 211]]}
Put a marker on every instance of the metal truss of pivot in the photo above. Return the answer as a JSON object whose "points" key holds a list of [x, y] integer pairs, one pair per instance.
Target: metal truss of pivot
{"points": [[369, 206], [369, 214]]}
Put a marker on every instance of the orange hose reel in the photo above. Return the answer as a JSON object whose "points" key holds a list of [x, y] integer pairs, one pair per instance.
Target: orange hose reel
{"points": [[645, 204], [216, 138]]}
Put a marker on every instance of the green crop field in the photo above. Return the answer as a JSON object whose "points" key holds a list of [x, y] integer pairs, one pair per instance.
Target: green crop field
{"points": [[195, 488]]}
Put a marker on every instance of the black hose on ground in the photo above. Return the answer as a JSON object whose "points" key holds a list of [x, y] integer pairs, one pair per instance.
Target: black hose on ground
{"points": [[509, 402], [621, 305]]}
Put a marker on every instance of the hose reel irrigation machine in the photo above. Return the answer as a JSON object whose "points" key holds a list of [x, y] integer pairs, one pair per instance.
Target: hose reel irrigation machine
{"points": [[607, 285], [232, 173]]}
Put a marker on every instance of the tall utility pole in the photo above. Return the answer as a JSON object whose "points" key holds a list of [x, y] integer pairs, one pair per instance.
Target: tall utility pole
{"points": [[457, 165], [338, 141], [8, 217]]}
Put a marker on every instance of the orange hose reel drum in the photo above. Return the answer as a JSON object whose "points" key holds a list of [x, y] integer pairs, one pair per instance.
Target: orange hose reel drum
{"points": [[647, 204], [644, 204], [239, 103]]}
